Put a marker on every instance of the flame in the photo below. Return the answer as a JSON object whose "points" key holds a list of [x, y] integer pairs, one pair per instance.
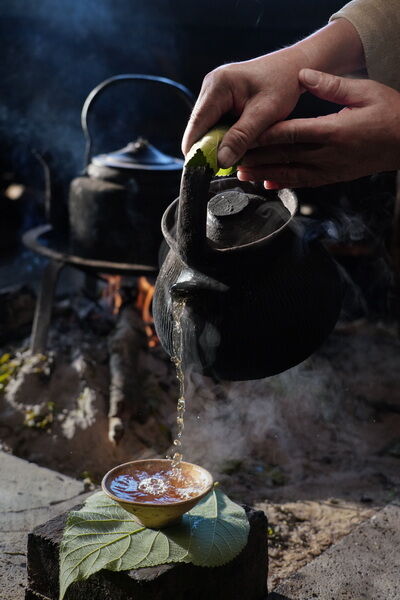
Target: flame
{"points": [[111, 292], [145, 292], [143, 303]]}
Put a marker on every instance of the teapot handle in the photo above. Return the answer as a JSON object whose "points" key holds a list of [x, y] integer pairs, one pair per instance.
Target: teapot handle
{"points": [[191, 235], [183, 91]]}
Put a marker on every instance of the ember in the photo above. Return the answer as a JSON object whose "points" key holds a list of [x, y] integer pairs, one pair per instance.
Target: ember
{"points": [[111, 293], [113, 296], [143, 303]]}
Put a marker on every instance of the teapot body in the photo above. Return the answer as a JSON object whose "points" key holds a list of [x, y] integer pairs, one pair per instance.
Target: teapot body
{"points": [[254, 313], [115, 207], [115, 215]]}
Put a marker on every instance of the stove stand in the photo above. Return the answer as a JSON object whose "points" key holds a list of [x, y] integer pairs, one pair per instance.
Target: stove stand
{"points": [[43, 241]]}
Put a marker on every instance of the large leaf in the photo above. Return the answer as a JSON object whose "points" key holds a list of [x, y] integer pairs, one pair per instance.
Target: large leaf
{"points": [[204, 152], [102, 535]]}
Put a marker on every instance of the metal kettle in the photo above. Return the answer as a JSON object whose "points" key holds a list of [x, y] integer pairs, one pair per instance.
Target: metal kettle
{"points": [[259, 296], [116, 206]]}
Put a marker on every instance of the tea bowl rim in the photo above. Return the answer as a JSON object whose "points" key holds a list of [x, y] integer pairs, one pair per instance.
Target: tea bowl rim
{"points": [[138, 503]]}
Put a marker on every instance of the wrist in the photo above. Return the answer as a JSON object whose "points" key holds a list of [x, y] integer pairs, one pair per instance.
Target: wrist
{"points": [[335, 49]]}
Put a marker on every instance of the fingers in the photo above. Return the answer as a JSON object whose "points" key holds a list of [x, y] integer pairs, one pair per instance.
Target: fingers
{"points": [[335, 89], [280, 154], [319, 130], [215, 99], [283, 176], [256, 117], [205, 114]]}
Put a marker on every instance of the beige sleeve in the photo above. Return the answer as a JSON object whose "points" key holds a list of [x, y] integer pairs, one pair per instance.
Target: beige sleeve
{"points": [[378, 25]]}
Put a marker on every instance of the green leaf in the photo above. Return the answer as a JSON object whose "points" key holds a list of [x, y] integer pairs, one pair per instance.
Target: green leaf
{"points": [[102, 535], [218, 530], [204, 152]]}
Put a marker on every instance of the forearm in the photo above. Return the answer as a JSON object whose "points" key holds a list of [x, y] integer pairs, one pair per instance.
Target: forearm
{"points": [[335, 49]]}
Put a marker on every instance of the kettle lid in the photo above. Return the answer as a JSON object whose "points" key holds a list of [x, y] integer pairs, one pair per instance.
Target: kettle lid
{"points": [[139, 155]]}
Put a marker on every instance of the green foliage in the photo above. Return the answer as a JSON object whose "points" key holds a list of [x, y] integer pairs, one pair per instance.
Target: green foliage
{"points": [[204, 152], [40, 417], [102, 535], [8, 368], [10, 365]]}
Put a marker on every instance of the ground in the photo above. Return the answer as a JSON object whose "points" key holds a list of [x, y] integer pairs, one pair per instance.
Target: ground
{"points": [[317, 447]]}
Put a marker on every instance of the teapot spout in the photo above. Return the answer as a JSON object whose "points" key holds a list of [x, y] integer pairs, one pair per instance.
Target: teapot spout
{"points": [[191, 282]]}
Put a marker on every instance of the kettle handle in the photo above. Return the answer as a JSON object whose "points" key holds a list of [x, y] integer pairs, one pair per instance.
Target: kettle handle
{"points": [[191, 232], [183, 91]]}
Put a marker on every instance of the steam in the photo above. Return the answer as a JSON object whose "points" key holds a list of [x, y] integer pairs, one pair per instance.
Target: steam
{"points": [[235, 421], [319, 413]]}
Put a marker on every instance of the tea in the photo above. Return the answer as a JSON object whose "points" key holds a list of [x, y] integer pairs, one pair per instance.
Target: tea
{"points": [[159, 487], [177, 358]]}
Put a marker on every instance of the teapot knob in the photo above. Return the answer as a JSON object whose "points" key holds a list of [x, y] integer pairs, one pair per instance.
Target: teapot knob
{"points": [[229, 203]]}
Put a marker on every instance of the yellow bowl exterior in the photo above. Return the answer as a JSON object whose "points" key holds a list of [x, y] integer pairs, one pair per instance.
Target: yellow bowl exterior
{"points": [[152, 515]]}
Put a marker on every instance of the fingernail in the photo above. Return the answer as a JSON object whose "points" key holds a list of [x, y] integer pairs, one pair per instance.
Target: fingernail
{"points": [[271, 185], [226, 158], [310, 77], [243, 176]]}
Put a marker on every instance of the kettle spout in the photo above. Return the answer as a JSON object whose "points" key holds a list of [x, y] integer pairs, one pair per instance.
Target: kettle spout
{"points": [[192, 282]]}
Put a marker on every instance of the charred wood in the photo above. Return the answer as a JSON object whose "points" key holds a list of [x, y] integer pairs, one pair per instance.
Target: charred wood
{"points": [[124, 346]]}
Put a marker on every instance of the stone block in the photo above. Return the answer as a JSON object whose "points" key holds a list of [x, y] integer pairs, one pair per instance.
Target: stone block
{"points": [[29, 495], [364, 565], [245, 577]]}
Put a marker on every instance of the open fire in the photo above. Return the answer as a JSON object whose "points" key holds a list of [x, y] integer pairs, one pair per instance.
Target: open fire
{"points": [[143, 303], [113, 296]]}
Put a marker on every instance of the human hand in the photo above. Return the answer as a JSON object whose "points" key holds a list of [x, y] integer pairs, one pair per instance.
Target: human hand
{"points": [[259, 92], [361, 139]]}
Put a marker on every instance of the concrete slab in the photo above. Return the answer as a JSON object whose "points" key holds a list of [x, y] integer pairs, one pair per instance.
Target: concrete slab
{"points": [[29, 495], [364, 565]]}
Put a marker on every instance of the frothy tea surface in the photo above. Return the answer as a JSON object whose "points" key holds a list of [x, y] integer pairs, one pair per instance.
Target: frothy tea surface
{"points": [[159, 487]]}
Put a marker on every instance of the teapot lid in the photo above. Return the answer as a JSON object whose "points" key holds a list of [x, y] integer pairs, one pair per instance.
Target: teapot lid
{"points": [[235, 217], [139, 155]]}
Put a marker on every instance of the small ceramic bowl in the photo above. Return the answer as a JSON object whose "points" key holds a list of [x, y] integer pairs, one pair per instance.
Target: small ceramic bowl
{"points": [[152, 515]]}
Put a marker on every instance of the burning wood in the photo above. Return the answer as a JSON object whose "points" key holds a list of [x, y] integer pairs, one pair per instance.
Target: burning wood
{"points": [[113, 296], [124, 346], [112, 293], [143, 303], [134, 324]]}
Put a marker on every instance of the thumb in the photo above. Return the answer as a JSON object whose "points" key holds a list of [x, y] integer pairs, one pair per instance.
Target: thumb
{"points": [[255, 118], [332, 88]]}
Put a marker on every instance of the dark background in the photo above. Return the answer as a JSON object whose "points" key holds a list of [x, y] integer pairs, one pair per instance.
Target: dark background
{"points": [[53, 53]]}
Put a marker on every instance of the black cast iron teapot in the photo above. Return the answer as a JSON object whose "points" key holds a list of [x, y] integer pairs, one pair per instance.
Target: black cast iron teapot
{"points": [[115, 207], [259, 297]]}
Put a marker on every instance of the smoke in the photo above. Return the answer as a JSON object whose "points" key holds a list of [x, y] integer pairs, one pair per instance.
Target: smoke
{"points": [[310, 422], [53, 56], [238, 421]]}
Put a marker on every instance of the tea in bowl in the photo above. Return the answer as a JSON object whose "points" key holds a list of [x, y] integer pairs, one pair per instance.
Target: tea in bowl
{"points": [[154, 491]]}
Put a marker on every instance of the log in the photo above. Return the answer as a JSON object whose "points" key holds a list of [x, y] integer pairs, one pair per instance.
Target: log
{"points": [[124, 345]]}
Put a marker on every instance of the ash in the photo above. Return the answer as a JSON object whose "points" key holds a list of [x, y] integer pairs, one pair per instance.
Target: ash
{"points": [[329, 427], [55, 408]]}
